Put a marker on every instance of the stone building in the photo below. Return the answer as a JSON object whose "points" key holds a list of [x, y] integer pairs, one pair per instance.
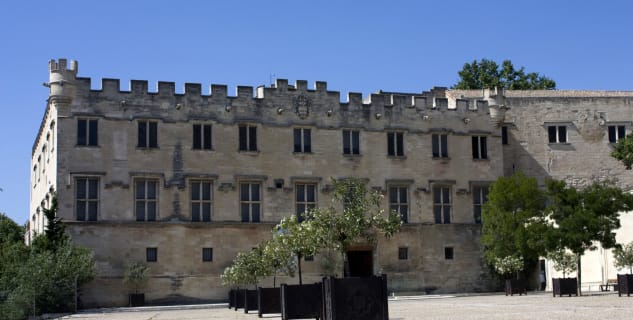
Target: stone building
{"points": [[187, 180]]}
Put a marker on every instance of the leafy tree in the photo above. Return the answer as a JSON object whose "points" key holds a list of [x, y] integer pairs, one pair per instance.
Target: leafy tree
{"points": [[361, 219], [513, 219], [487, 74], [564, 261], [247, 268], [584, 217], [55, 230], [10, 232], [623, 151], [136, 275], [623, 256], [299, 237], [508, 265]]}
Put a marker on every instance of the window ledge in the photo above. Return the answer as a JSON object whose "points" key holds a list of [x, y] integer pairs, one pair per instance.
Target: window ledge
{"points": [[349, 155], [481, 160], [559, 143], [202, 150], [251, 152], [147, 148], [397, 157], [87, 146], [299, 153], [441, 158]]}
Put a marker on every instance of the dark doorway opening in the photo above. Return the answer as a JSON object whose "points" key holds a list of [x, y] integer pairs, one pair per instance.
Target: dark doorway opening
{"points": [[360, 263]]}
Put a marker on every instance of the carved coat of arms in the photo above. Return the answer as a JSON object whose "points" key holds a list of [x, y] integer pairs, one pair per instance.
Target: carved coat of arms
{"points": [[302, 106]]}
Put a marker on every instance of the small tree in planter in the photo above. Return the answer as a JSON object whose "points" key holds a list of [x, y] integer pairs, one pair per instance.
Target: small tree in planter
{"points": [[623, 256], [507, 267], [136, 276], [566, 263]]}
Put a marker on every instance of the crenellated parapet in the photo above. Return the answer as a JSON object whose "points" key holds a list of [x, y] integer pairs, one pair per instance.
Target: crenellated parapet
{"points": [[62, 80]]}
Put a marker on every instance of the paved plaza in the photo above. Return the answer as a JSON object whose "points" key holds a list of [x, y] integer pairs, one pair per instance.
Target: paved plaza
{"points": [[533, 306]]}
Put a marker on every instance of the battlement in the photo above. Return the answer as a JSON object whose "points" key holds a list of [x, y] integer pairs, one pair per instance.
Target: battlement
{"points": [[61, 66]]}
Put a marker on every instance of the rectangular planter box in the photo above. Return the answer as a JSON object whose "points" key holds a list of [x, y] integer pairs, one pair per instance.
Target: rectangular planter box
{"points": [[250, 300], [516, 286], [268, 300], [625, 284], [355, 298], [238, 296], [137, 299], [231, 298], [301, 301], [564, 286]]}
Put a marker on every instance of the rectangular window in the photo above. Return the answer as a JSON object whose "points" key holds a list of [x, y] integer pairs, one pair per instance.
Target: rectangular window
{"points": [[616, 133], [207, 254], [399, 202], [151, 254], [440, 145], [557, 134], [87, 198], [302, 140], [395, 144], [403, 253], [250, 201], [480, 148], [480, 196], [202, 137], [146, 197], [87, 131], [351, 142], [504, 135], [248, 138], [442, 204], [448, 253], [201, 200], [309, 258], [147, 134], [305, 198]]}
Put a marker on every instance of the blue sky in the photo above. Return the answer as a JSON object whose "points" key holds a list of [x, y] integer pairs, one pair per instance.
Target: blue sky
{"points": [[359, 46]]}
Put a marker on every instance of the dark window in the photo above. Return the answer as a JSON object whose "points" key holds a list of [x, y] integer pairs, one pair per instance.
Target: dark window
{"points": [[302, 140], [403, 253], [250, 201], [442, 204], [248, 138], [504, 135], [440, 145], [616, 133], [147, 134], [146, 195], [201, 200], [448, 253], [395, 144], [87, 198], [351, 142], [87, 132], [480, 196], [207, 254], [557, 134], [151, 254], [202, 136], [480, 149], [305, 198], [308, 258], [399, 202]]}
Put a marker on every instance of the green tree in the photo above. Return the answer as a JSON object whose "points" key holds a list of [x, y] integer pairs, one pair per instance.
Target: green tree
{"points": [[623, 256], [513, 219], [487, 74], [299, 237], [509, 265], [584, 217], [564, 261], [10, 232], [136, 275], [361, 218], [623, 151], [55, 230]]}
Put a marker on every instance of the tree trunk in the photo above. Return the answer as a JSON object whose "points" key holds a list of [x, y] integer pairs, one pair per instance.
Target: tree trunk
{"points": [[578, 272], [299, 267]]}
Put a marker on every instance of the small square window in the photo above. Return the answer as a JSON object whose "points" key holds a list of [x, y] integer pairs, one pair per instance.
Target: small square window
{"points": [[557, 134], [448, 253], [207, 254], [308, 258], [151, 254], [403, 253], [616, 133]]}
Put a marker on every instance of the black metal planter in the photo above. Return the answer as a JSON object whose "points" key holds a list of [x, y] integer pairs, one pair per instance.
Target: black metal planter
{"points": [[238, 298], [564, 286], [301, 301], [516, 286], [250, 300], [231, 298], [137, 299], [355, 298], [268, 301], [625, 284]]}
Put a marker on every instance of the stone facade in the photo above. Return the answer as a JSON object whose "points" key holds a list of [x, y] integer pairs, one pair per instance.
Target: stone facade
{"points": [[128, 168]]}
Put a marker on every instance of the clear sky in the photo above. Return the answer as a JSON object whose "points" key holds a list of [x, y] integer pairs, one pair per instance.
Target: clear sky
{"points": [[359, 46]]}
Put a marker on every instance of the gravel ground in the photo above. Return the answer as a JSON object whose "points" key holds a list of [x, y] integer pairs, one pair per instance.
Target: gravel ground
{"points": [[533, 306]]}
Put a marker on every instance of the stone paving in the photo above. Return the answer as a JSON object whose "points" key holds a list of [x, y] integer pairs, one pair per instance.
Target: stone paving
{"points": [[533, 306]]}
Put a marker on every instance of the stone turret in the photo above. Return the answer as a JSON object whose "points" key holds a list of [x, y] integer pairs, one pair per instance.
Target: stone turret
{"points": [[62, 81], [496, 105]]}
